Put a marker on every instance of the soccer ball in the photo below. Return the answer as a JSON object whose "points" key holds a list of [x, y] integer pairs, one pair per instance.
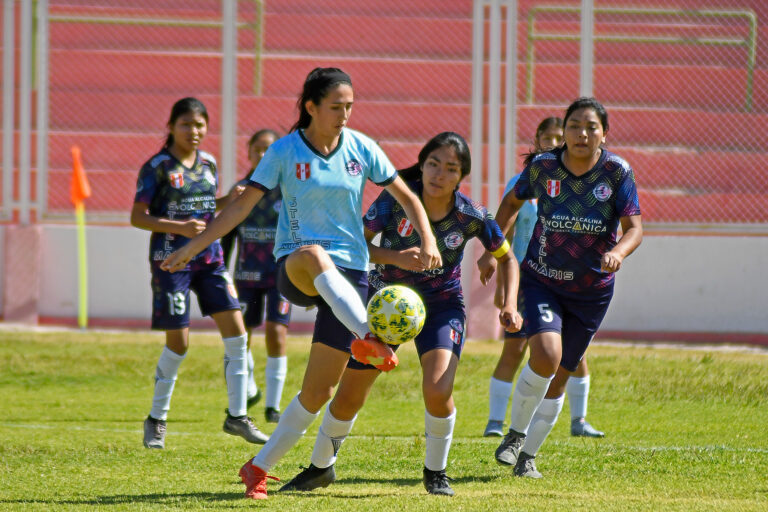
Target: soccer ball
{"points": [[396, 314]]}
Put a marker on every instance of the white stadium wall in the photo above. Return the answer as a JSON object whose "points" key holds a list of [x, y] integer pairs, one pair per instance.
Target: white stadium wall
{"points": [[678, 286]]}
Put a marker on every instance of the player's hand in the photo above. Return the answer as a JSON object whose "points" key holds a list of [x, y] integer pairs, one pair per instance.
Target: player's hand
{"points": [[611, 262], [510, 319], [410, 259], [430, 254], [486, 264], [178, 260], [192, 227]]}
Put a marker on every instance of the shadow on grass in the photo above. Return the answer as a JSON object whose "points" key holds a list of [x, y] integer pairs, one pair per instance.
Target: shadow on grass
{"points": [[156, 498]]}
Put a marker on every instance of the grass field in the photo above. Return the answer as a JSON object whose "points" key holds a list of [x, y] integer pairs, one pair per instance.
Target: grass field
{"points": [[687, 430]]}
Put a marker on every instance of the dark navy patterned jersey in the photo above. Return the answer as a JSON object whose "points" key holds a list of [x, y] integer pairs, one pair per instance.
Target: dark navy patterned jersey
{"points": [[255, 265], [466, 220], [177, 192], [578, 218]]}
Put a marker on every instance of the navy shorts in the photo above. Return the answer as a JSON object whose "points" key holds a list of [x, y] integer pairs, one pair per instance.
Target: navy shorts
{"points": [[328, 329], [576, 320], [444, 327], [170, 294], [253, 300]]}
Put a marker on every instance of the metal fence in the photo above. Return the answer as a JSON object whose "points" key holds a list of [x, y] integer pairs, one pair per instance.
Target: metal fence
{"points": [[685, 88]]}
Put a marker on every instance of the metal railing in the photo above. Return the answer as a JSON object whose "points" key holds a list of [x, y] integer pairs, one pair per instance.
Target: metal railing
{"points": [[749, 42]]}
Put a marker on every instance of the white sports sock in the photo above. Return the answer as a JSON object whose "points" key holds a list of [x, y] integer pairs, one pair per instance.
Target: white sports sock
{"points": [[343, 300], [329, 438], [275, 376], [439, 433], [529, 392], [236, 372], [578, 396], [543, 420], [498, 398], [293, 423], [252, 387], [165, 378]]}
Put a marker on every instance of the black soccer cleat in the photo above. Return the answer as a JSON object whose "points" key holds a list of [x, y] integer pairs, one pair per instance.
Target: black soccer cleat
{"points": [[436, 482], [311, 478]]}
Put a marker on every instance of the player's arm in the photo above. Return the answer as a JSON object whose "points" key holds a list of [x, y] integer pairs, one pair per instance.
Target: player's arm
{"points": [[508, 280], [429, 255], [505, 218], [407, 259], [632, 228], [222, 224], [141, 218]]}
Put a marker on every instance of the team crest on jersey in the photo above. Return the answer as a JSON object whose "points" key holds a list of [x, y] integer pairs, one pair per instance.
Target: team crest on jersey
{"points": [[371, 213], [453, 240], [303, 171], [176, 179], [602, 191], [405, 228], [354, 168], [553, 188]]}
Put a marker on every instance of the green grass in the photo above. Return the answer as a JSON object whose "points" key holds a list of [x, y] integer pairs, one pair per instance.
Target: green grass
{"points": [[687, 430]]}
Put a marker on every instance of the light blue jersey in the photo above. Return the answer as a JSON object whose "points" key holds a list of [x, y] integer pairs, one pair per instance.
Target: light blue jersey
{"points": [[323, 195], [523, 228]]}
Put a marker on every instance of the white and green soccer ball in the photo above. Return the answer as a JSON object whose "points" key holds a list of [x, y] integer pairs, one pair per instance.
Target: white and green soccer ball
{"points": [[396, 314]]}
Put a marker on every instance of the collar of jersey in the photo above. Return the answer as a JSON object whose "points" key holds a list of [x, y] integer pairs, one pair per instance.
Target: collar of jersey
{"points": [[194, 165], [315, 151]]}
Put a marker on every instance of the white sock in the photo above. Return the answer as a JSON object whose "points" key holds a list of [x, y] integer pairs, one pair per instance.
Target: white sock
{"points": [[541, 424], [343, 300], [578, 395], [529, 392], [236, 372], [439, 433], [275, 377], [293, 423], [165, 378], [252, 387], [498, 393], [329, 438]]}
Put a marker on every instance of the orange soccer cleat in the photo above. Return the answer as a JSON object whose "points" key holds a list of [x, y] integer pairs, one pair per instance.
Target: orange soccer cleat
{"points": [[255, 480], [370, 350]]}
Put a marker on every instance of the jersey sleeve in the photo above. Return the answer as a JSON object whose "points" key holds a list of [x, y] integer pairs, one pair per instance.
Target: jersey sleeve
{"points": [[627, 201], [266, 175], [511, 184], [382, 172], [523, 188], [147, 184], [492, 238], [379, 213]]}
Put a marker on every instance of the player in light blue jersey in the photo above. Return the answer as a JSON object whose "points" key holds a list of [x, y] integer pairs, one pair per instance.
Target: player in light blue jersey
{"points": [[442, 164], [321, 168], [566, 279], [549, 135], [175, 198]]}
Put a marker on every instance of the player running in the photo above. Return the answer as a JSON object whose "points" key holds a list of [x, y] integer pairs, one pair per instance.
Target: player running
{"points": [[455, 219]]}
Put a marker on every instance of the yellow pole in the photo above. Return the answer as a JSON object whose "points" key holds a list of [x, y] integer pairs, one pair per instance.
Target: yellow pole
{"points": [[82, 268]]}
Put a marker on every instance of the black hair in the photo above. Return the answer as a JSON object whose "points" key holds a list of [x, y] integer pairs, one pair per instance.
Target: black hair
{"points": [[592, 103], [180, 108], [264, 131], [440, 140], [316, 87], [544, 125]]}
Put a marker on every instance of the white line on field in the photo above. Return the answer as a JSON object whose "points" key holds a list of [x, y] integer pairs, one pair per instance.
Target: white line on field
{"points": [[472, 440]]}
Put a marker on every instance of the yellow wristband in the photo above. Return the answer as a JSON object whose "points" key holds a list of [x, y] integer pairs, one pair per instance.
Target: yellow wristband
{"points": [[501, 251]]}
